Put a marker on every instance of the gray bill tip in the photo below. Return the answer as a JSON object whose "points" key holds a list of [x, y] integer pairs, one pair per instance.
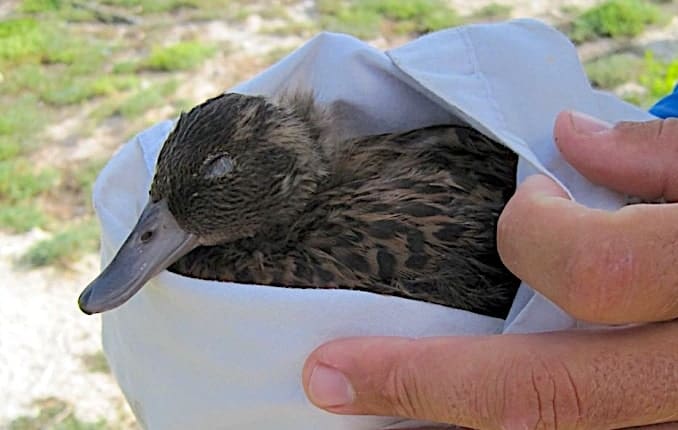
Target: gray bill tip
{"points": [[155, 243]]}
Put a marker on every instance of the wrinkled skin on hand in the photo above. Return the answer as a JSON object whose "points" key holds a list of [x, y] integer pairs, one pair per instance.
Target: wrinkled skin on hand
{"points": [[615, 267]]}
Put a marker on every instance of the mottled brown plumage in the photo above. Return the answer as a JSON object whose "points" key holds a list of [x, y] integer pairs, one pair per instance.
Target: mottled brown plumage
{"points": [[274, 196]]}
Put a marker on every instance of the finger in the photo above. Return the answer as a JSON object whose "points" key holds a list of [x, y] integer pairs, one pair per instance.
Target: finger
{"points": [[604, 267], [665, 426], [636, 158], [564, 380]]}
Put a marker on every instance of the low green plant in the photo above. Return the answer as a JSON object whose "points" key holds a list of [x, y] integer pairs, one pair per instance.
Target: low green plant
{"points": [[344, 17], [570, 10], [21, 38], [615, 18], [180, 56], [38, 6], [20, 184], [659, 76], [24, 119], [21, 217], [126, 66], [133, 105], [55, 65], [492, 12], [274, 11], [87, 173], [54, 414], [614, 70], [82, 55], [96, 362], [291, 27], [9, 149], [62, 88], [79, 182], [73, 90], [366, 18], [70, 92], [146, 99], [46, 41], [152, 6], [23, 78], [108, 85], [19, 181], [64, 247]]}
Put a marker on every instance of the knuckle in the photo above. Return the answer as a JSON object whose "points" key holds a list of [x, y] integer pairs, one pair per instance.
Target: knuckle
{"points": [[402, 390], [657, 133], [667, 132], [599, 277], [541, 395]]}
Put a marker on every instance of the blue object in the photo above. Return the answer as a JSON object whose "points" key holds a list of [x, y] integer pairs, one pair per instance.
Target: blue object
{"points": [[668, 106]]}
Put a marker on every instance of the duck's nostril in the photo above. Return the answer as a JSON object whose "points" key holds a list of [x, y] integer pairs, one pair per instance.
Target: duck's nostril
{"points": [[147, 236]]}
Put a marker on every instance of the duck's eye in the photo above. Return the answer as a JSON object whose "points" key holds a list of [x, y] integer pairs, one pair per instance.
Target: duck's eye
{"points": [[219, 166]]}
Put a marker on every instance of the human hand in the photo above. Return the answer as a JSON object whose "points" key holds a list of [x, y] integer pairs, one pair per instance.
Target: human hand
{"points": [[605, 267]]}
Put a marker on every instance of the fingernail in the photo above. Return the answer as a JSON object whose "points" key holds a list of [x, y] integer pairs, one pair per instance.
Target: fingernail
{"points": [[586, 124], [329, 388]]}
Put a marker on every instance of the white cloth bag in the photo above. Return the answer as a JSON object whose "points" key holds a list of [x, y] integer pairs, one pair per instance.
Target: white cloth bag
{"points": [[193, 354]]}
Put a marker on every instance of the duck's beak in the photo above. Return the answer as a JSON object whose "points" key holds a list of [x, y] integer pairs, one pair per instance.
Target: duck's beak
{"points": [[154, 244]]}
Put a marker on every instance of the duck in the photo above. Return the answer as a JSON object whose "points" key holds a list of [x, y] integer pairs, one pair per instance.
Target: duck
{"points": [[269, 191]]}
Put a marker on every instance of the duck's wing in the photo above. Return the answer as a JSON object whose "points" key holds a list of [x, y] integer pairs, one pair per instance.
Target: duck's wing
{"points": [[431, 149], [419, 219]]}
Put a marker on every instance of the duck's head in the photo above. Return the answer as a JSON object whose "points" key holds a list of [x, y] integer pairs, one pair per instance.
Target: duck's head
{"points": [[233, 167]]}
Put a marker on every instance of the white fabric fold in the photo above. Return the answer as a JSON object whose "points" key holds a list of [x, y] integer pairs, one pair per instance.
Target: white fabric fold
{"points": [[192, 354]]}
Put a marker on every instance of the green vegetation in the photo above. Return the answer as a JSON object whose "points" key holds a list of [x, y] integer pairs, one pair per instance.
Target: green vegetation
{"points": [[152, 6], [20, 217], [146, 99], [47, 66], [291, 27], [68, 91], [57, 67], [37, 6], [66, 9], [492, 12], [9, 149], [64, 247], [615, 18], [168, 6], [180, 56], [83, 177], [614, 70], [367, 18], [96, 362], [75, 9], [47, 41], [71, 240], [19, 181], [19, 186], [19, 124], [659, 76], [655, 77], [21, 38], [55, 414]]}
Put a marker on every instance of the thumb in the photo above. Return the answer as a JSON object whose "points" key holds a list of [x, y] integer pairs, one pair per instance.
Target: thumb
{"points": [[429, 379], [583, 379]]}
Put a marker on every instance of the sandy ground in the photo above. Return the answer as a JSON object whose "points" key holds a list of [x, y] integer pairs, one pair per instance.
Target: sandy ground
{"points": [[44, 338]]}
